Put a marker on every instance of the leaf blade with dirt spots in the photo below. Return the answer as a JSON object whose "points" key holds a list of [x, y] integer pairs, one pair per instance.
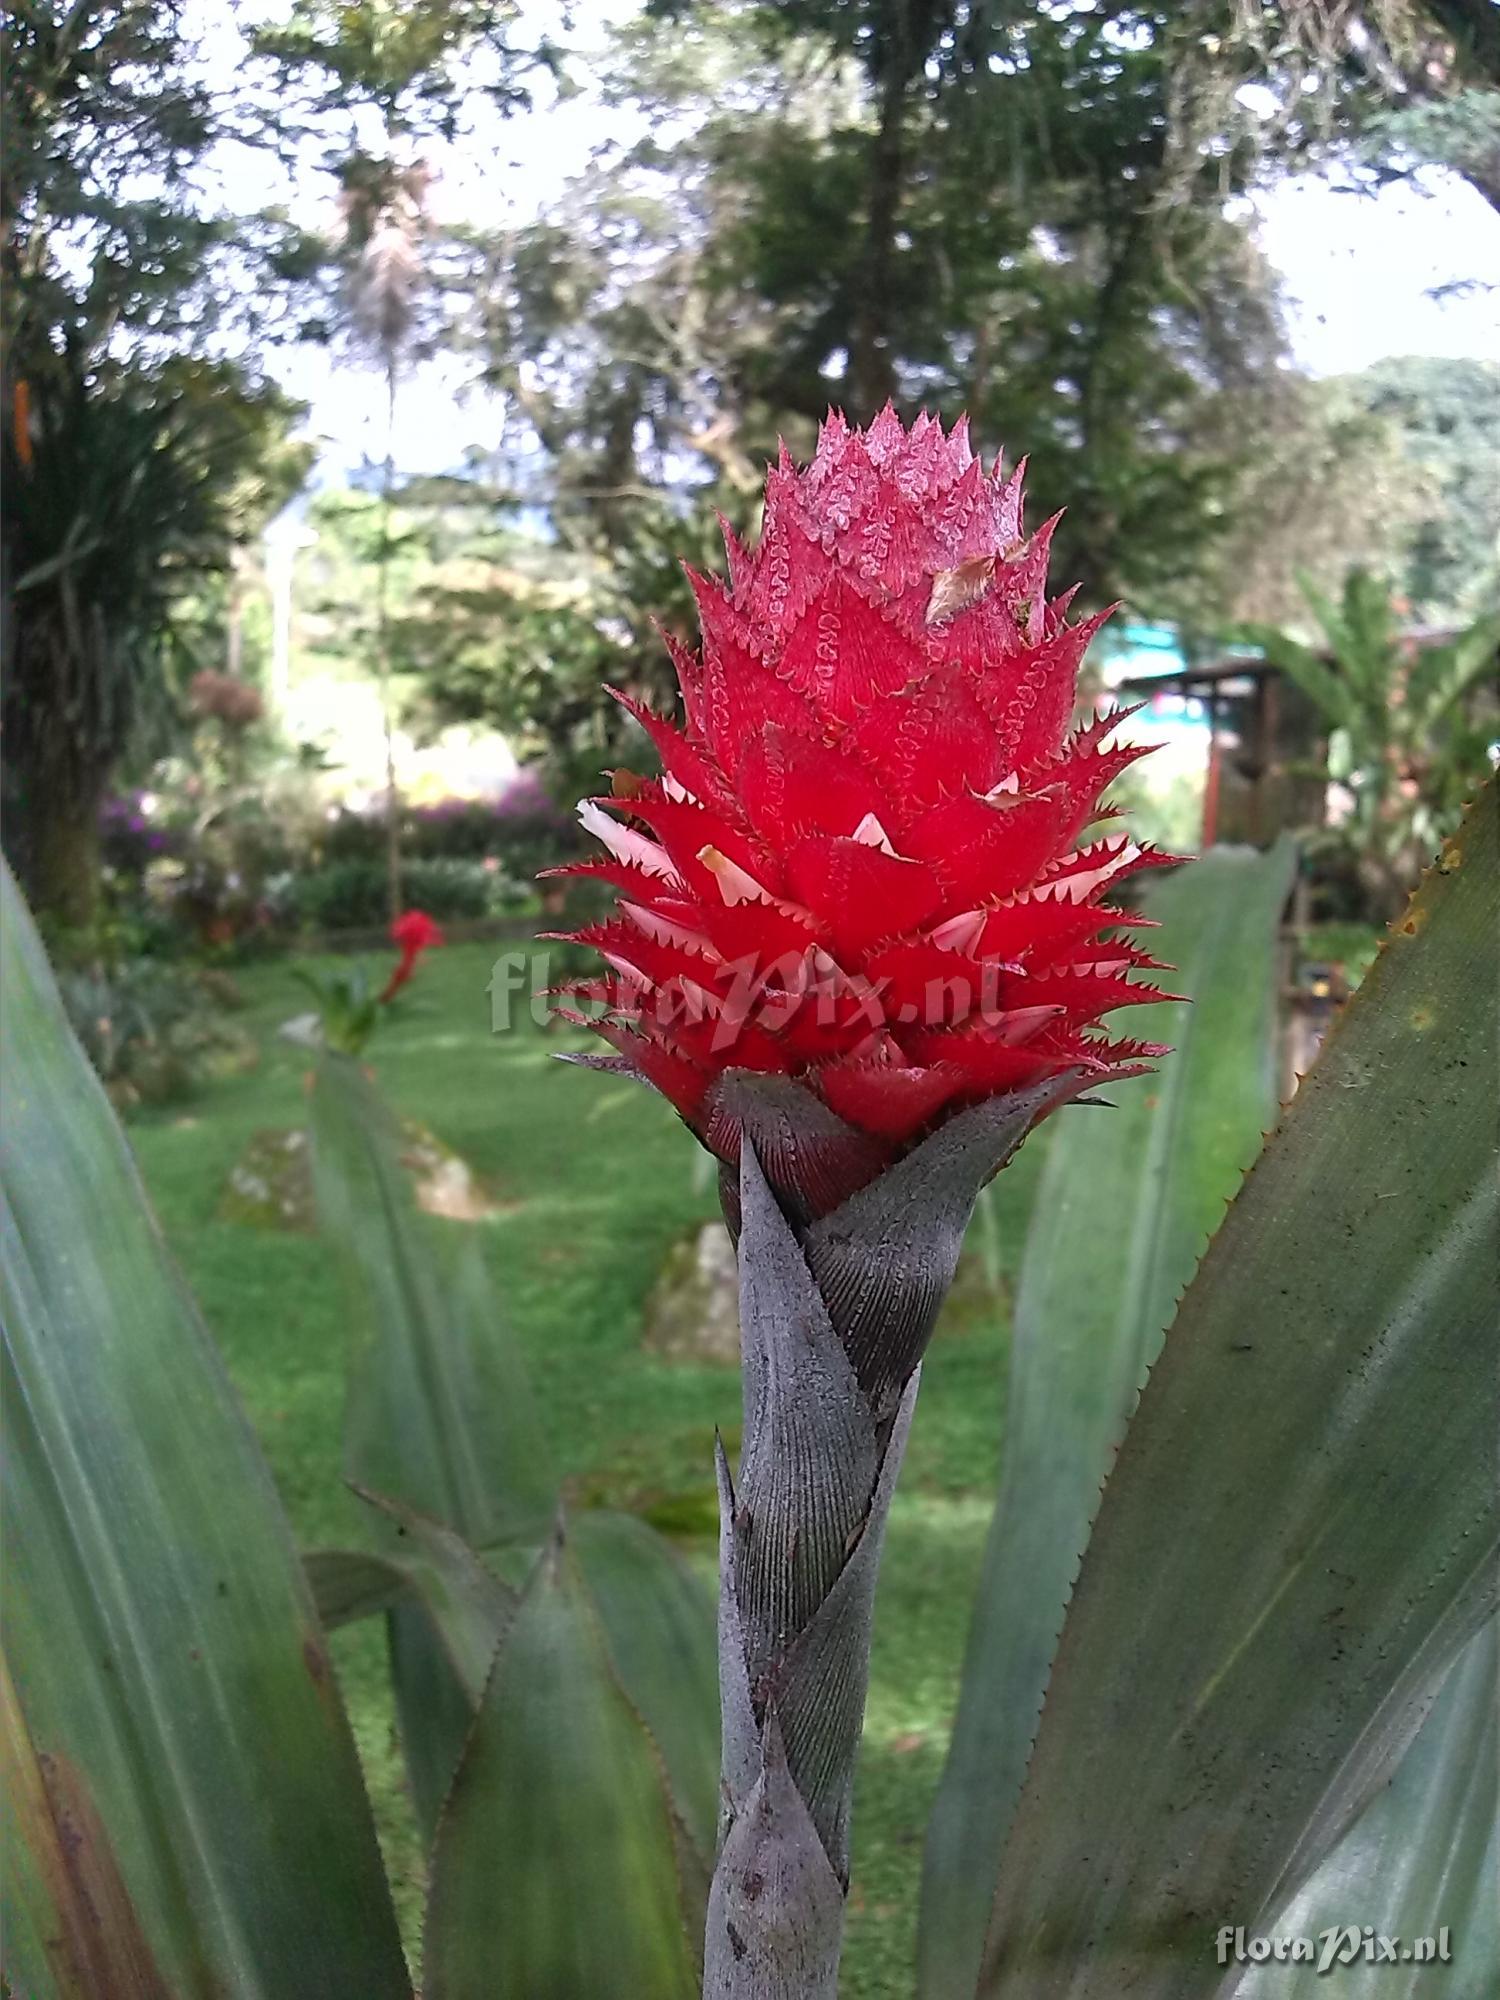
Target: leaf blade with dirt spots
{"points": [[1128, 1199], [185, 1810], [1300, 1533], [555, 1869], [439, 1417]]}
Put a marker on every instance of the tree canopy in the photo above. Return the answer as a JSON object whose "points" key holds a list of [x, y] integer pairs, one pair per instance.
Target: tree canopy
{"points": [[1447, 416], [1037, 215], [835, 204]]}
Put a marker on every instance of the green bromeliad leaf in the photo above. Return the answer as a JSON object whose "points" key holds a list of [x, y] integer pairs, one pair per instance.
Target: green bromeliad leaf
{"points": [[441, 1423], [555, 1871], [440, 1416], [1300, 1532], [1421, 1861], [439, 1420], [1127, 1202], [657, 1621], [184, 1810], [466, 1605]]}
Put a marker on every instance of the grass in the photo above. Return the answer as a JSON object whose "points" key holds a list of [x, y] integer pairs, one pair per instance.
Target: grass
{"points": [[597, 1180], [1353, 946]]}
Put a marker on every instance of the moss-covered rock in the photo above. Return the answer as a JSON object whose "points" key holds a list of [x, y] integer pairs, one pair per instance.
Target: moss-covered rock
{"points": [[270, 1186], [692, 1313]]}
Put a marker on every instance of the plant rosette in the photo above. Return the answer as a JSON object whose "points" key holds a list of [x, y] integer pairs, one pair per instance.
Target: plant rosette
{"points": [[862, 944]]}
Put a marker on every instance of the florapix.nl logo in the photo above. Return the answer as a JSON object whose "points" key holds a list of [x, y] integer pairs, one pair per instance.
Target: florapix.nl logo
{"points": [[769, 993], [1338, 1945]]}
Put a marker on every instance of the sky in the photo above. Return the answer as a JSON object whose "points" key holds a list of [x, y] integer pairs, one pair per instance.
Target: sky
{"points": [[1365, 276], [1412, 269]]}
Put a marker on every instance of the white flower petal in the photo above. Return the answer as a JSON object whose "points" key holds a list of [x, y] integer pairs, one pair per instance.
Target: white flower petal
{"points": [[625, 844], [959, 933], [870, 833], [735, 884]]}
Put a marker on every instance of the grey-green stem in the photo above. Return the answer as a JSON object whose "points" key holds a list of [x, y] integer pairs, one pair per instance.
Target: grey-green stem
{"points": [[834, 1315]]}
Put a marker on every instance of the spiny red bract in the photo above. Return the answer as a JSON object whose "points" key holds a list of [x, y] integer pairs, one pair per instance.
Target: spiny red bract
{"points": [[867, 863]]}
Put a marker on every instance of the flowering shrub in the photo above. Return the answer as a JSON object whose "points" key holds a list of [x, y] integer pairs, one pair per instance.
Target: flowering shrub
{"points": [[152, 1031], [198, 868], [523, 829], [129, 840]]}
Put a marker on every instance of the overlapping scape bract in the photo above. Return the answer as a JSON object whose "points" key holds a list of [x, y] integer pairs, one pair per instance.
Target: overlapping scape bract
{"points": [[868, 862]]}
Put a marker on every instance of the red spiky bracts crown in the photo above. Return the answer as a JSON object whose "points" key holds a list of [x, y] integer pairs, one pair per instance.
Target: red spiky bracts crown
{"points": [[866, 866]]}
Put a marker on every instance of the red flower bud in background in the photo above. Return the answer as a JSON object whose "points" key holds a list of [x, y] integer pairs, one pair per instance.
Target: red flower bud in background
{"points": [[413, 932], [868, 865]]}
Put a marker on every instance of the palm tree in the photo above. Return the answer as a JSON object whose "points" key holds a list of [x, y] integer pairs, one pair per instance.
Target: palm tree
{"points": [[384, 221], [124, 487]]}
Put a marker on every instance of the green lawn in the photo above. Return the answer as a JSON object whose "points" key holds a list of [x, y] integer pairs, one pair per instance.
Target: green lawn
{"points": [[597, 1178]]}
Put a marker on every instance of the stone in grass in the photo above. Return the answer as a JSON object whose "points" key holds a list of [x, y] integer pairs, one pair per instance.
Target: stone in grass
{"points": [[692, 1312], [156, 1069], [270, 1186], [446, 1184]]}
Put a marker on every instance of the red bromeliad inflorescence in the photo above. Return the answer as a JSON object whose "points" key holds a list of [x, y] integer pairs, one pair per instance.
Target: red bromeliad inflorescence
{"points": [[412, 933], [868, 864]]}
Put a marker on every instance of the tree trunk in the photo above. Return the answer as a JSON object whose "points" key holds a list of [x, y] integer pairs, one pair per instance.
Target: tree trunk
{"points": [[234, 614], [901, 52], [1387, 886], [393, 892], [52, 838], [1093, 524]]}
